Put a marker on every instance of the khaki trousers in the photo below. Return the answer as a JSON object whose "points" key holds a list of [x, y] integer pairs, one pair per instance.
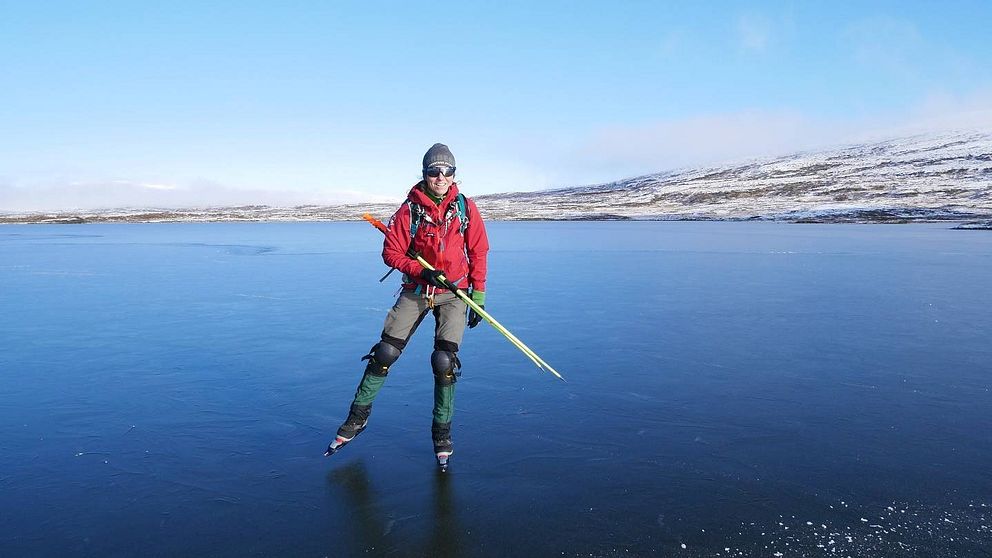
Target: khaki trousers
{"points": [[410, 309]]}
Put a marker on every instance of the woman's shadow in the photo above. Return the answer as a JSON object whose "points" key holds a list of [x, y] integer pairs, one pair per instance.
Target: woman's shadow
{"points": [[370, 527]]}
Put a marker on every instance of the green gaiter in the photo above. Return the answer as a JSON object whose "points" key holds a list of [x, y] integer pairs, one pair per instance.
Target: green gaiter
{"points": [[368, 389], [444, 402]]}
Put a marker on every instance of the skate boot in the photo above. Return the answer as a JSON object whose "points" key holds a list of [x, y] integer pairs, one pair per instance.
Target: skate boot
{"points": [[358, 418], [443, 448]]}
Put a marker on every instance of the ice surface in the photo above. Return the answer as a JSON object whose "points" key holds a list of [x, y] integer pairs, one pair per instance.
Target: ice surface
{"points": [[164, 390]]}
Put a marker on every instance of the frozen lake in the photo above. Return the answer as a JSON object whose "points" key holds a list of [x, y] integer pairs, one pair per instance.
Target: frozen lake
{"points": [[734, 389]]}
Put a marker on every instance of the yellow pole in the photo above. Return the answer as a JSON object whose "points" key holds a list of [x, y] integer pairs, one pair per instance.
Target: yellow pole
{"points": [[478, 309]]}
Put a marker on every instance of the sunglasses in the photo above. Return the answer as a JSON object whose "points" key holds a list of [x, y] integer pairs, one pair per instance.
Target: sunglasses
{"points": [[435, 172]]}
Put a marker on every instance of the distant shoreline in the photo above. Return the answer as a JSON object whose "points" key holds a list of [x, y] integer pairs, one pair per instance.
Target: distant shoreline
{"points": [[259, 214]]}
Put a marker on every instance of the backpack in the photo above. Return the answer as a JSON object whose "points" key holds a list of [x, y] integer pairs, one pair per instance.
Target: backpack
{"points": [[417, 213], [460, 210]]}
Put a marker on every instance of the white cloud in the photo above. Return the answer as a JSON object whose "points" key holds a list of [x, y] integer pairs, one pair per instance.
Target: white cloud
{"points": [[672, 43], [942, 110], [754, 32], [623, 151], [693, 141], [119, 193], [159, 186]]}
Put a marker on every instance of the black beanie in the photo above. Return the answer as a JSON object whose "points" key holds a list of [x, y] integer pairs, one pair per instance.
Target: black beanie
{"points": [[439, 154]]}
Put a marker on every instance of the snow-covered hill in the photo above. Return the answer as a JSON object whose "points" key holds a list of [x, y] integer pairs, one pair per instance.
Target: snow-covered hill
{"points": [[946, 176], [927, 177]]}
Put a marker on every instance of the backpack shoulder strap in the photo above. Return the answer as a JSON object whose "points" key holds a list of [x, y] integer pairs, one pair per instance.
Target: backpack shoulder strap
{"points": [[462, 206], [416, 216]]}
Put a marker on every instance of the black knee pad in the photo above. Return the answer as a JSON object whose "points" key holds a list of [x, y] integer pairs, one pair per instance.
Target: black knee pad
{"points": [[381, 357], [446, 367]]}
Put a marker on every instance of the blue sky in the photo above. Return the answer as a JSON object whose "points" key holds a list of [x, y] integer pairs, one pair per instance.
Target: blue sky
{"points": [[117, 103]]}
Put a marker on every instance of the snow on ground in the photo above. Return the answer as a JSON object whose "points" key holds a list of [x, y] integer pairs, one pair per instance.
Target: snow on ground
{"points": [[944, 176]]}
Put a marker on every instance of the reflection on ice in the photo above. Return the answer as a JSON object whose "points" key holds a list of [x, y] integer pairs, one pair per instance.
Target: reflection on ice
{"points": [[373, 528]]}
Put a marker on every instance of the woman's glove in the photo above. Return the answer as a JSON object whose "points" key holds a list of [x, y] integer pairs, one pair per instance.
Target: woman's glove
{"points": [[435, 278], [478, 297]]}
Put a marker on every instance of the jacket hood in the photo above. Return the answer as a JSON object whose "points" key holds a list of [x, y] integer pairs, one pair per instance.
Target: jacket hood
{"points": [[418, 196]]}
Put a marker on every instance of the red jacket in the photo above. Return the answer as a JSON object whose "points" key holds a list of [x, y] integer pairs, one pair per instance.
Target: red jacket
{"points": [[439, 241]]}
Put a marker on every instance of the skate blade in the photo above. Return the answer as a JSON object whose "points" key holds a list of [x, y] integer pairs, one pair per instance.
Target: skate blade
{"points": [[336, 445]]}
